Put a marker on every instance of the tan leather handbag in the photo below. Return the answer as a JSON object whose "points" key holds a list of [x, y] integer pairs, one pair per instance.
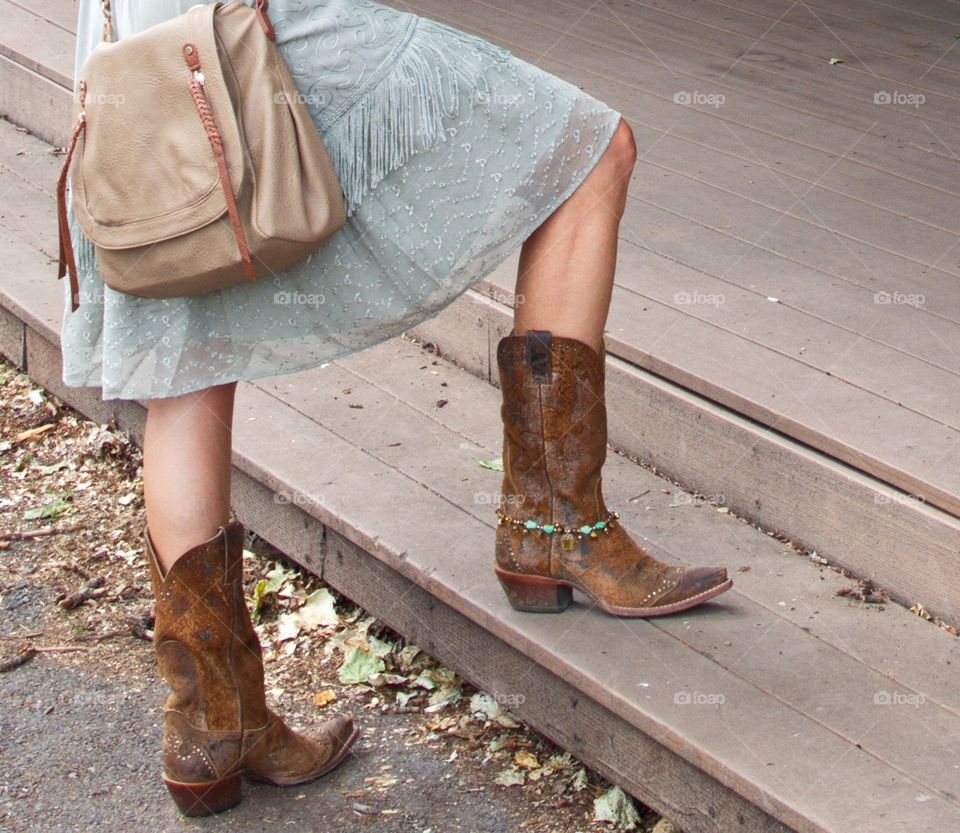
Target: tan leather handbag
{"points": [[194, 164]]}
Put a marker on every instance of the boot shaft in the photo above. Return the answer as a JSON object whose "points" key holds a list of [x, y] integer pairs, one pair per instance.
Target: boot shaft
{"points": [[554, 448], [206, 647], [555, 426]]}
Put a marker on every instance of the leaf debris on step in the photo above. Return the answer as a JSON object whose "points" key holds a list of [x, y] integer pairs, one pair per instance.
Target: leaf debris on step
{"points": [[617, 807]]}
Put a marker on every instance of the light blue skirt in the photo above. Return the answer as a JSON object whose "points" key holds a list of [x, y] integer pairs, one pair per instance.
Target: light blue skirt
{"points": [[450, 151]]}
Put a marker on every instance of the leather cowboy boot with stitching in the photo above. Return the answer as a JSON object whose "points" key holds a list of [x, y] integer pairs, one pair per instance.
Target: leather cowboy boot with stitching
{"points": [[554, 531], [217, 728]]}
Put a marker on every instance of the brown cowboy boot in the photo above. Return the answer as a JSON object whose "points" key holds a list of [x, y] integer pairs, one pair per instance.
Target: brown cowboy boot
{"points": [[554, 532], [217, 728]]}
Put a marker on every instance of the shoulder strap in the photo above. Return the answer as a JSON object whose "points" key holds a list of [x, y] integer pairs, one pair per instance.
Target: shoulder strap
{"points": [[67, 262], [107, 33], [261, 7]]}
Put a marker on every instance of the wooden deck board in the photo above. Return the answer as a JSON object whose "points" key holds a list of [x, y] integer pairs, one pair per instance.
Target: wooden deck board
{"points": [[866, 253], [944, 11], [905, 63], [717, 51], [411, 389], [903, 380], [826, 210], [33, 41], [742, 110], [384, 431], [681, 69], [914, 341], [870, 24], [669, 129], [896, 67], [756, 183], [742, 113], [341, 466], [62, 13], [804, 233]]}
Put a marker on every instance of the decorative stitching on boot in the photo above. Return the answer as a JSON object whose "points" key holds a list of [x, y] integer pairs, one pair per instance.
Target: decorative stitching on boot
{"points": [[661, 589], [514, 561]]}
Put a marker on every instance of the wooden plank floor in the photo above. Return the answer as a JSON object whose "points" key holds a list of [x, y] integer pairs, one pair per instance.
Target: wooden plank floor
{"points": [[791, 253], [765, 699], [36, 37], [876, 698], [826, 223]]}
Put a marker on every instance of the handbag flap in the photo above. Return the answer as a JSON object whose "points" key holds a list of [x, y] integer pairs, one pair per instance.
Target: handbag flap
{"points": [[145, 170]]}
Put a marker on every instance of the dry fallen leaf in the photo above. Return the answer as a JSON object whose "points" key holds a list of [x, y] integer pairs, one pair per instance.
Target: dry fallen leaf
{"points": [[322, 698], [617, 807], [510, 778], [31, 433], [527, 760]]}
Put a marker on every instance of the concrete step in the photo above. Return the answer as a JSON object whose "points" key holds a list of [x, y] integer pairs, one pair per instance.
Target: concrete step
{"points": [[743, 715]]}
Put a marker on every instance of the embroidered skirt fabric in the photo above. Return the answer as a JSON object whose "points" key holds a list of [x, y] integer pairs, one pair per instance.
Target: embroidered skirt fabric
{"points": [[451, 152]]}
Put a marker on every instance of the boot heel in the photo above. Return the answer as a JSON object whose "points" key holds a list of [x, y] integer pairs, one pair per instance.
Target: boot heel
{"points": [[206, 798], [535, 594]]}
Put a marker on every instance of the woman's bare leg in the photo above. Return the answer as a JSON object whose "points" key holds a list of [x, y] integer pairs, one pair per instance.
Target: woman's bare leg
{"points": [[186, 469], [565, 279]]}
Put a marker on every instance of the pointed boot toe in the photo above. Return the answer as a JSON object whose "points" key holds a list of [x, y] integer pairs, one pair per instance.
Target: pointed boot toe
{"points": [[694, 586], [285, 757]]}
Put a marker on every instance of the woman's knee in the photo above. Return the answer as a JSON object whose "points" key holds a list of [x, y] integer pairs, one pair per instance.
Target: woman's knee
{"points": [[215, 397], [621, 152]]}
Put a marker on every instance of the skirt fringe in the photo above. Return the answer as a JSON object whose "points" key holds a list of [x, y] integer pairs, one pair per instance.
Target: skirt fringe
{"points": [[401, 115]]}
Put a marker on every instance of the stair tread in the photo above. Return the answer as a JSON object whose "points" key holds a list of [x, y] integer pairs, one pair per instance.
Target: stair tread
{"points": [[825, 366], [677, 239], [773, 747], [60, 13], [30, 37], [798, 688], [686, 233], [894, 654]]}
